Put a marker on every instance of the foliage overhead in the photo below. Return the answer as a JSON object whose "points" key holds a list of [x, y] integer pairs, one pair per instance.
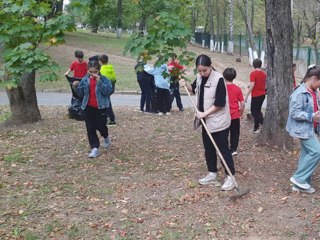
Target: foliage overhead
{"points": [[24, 25], [166, 36]]}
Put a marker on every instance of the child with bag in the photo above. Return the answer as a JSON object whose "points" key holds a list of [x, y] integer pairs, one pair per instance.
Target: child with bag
{"points": [[95, 90]]}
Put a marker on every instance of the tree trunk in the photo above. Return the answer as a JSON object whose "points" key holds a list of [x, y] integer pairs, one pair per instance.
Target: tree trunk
{"points": [[218, 25], [194, 17], [279, 30], [252, 14], [299, 32], [95, 29], [249, 28], [230, 43], [211, 25], [23, 100], [119, 27]]}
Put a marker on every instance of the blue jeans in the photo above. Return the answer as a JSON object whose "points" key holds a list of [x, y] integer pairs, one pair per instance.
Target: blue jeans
{"points": [[308, 161]]}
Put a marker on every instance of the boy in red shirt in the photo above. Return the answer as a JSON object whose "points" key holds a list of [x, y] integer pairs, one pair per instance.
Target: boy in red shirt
{"points": [[78, 67], [236, 105], [257, 89]]}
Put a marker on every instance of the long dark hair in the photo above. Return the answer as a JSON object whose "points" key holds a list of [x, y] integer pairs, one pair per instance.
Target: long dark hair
{"points": [[204, 60]]}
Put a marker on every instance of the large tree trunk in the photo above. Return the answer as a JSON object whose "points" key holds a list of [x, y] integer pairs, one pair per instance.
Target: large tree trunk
{"points": [[23, 100], [279, 71]]}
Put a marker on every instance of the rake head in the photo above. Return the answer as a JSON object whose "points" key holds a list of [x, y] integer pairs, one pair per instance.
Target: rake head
{"points": [[239, 194]]}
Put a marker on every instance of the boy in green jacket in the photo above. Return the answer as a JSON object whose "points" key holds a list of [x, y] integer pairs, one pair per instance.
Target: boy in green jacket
{"points": [[107, 70]]}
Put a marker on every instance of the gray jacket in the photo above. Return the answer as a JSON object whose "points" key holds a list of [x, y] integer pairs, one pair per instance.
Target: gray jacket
{"points": [[301, 112]]}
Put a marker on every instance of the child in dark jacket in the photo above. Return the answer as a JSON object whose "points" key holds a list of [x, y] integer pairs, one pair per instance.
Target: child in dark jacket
{"points": [[95, 90]]}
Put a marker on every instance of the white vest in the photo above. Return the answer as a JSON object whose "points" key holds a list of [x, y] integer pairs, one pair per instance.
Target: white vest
{"points": [[221, 119]]}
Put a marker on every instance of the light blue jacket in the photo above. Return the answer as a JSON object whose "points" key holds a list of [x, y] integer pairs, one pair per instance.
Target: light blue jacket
{"points": [[301, 112], [159, 80], [103, 91]]}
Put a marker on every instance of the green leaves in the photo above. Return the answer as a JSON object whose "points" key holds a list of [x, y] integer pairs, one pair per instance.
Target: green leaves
{"points": [[166, 35], [24, 26]]}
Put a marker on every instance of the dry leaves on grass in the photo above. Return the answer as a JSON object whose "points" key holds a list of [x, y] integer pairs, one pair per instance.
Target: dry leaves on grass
{"points": [[145, 186]]}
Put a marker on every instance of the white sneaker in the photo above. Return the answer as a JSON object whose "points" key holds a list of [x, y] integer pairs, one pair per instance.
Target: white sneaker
{"points": [[94, 153], [234, 153], [304, 186], [228, 184], [160, 113], [168, 113], [211, 178], [297, 189]]}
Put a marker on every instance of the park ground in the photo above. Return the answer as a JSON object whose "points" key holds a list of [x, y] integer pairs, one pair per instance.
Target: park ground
{"points": [[145, 186]]}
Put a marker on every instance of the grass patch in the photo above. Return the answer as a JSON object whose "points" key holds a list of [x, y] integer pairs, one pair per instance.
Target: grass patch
{"points": [[4, 115], [92, 44], [14, 158]]}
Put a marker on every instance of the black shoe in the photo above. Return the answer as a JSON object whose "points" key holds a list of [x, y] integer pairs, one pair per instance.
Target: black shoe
{"points": [[181, 109], [112, 124]]}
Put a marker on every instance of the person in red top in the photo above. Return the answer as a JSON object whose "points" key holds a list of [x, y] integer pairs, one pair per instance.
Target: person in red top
{"points": [[236, 105], [78, 67], [175, 69], [257, 89]]}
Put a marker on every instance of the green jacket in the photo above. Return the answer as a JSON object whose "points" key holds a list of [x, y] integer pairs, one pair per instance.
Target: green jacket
{"points": [[108, 71]]}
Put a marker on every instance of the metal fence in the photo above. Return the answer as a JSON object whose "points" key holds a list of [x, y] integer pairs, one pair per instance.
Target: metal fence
{"points": [[302, 56]]}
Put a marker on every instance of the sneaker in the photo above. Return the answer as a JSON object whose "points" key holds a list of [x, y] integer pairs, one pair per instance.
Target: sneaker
{"points": [[211, 178], [112, 124], [304, 186], [181, 109], [228, 184], [94, 153], [168, 113], [160, 113], [297, 189], [234, 153], [107, 142], [257, 130]]}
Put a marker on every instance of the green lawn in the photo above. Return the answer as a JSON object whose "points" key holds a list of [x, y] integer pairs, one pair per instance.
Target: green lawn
{"points": [[92, 44]]}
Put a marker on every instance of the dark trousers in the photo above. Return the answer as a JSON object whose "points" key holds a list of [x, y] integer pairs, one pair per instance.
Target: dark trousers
{"points": [[234, 131], [95, 120], [146, 94], [110, 112], [221, 139], [174, 88], [163, 97], [256, 105]]}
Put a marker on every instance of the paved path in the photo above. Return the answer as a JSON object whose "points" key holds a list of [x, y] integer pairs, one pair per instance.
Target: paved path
{"points": [[63, 99]]}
